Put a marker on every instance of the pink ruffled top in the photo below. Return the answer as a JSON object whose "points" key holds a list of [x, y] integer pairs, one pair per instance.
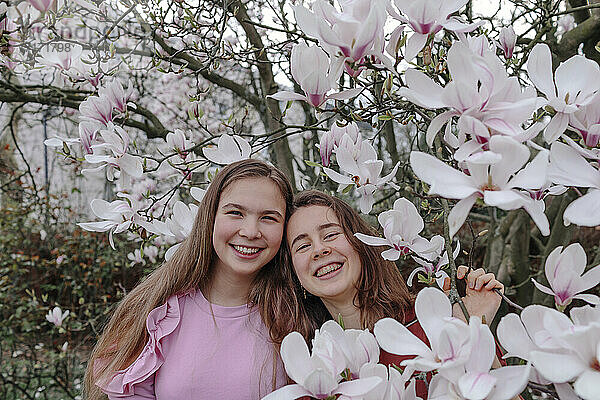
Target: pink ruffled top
{"points": [[198, 350]]}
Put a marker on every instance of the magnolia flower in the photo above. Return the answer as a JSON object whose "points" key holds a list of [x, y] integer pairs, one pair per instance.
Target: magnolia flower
{"points": [[116, 144], [522, 334], [569, 168], [317, 375], [333, 138], [41, 5], [494, 176], [180, 224], [401, 227], [312, 71], [566, 22], [228, 150], [426, 17], [56, 316], [563, 351], [136, 257], [62, 60], [486, 101], [359, 347], [116, 95], [393, 385], [363, 172], [448, 336], [87, 135], [433, 261], [354, 33], [586, 122], [575, 83], [118, 216], [178, 141], [564, 271], [507, 41], [98, 109]]}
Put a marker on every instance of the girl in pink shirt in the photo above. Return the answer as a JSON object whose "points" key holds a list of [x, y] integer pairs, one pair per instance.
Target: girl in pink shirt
{"points": [[197, 327]]}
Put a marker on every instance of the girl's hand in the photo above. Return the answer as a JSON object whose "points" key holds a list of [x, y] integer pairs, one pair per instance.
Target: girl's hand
{"points": [[479, 299]]}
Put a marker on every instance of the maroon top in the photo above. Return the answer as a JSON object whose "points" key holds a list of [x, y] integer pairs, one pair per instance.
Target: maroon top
{"points": [[411, 323]]}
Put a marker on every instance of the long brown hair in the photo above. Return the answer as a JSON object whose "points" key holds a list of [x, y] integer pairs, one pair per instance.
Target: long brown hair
{"points": [[380, 291], [190, 267]]}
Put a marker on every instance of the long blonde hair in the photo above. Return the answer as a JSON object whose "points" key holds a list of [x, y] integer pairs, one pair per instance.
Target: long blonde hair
{"points": [[190, 267]]}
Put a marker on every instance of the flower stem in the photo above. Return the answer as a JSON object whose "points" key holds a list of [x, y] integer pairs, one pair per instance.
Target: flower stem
{"points": [[454, 296]]}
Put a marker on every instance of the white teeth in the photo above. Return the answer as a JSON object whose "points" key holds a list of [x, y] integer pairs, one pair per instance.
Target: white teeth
{"points": [[247, 250], [328, 268]]}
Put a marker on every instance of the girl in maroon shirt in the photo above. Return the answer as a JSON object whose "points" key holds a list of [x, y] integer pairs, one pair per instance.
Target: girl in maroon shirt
{"points": [[337, 275]]}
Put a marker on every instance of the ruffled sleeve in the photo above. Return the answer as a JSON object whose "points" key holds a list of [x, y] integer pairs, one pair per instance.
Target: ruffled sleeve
{"points": [[160, 323]]}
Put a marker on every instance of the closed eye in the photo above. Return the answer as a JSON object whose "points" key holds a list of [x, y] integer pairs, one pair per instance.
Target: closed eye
{"points": [[302, 247], [331, 235]]}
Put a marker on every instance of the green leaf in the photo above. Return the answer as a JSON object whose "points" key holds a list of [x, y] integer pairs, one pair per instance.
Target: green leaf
{"points": [[347, 189], [312, 163]]}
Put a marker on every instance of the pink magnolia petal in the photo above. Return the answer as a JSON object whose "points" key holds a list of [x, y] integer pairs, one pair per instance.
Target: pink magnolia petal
{"points": [[542, 288], [555, 367], [556, 127], [513, 337], [414, 45], [285, 95], [568, 167], [587, 385], [395, 338], [431, 307], [588, 298], [476, 385], [459, 213], [444, 180], [372, 240], [287, 392], [422, 90], [345, 94], [512, 380], [358, 387], [584, 211], [435, 126], [539, 67]]}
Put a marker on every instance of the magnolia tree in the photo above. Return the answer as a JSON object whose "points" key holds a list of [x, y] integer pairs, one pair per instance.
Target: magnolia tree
{"points": [[448, 122]]}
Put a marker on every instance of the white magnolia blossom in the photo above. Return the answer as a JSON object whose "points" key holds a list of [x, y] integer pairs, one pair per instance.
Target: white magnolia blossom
{"points": [[351, 35], [507, 41], [359, 347], [348, 136], [564, 272], [495, 176], [318, 374], [363, 172], [425, 17], [573, 85], [393, 385], [228, 150], [56, 316], [401, 227], [112, 153], [433, 261], [485, 99], [562, 350], [462, 354], [312, 70], [180, 225], [569, 167], [117, 216]]}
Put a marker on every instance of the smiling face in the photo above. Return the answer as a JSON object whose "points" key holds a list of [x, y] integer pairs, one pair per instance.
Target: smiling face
{"points": [[324, 260], [248, 227]]}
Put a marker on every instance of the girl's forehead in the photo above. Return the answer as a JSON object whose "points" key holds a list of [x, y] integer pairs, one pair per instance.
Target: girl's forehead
{"points": [[311, 218]]}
